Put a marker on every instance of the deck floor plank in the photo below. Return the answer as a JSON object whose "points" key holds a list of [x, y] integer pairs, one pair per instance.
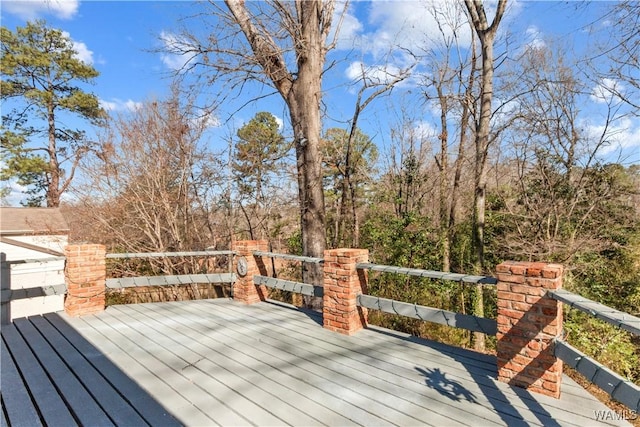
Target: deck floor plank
{"points": [[109, 399], [203, 364], [84, 407], [335, 364], [359, 367], [152, 412], [283, 387], [51, 407], [219, 362], [357, 402], [186, 402], [476, 376], [18, 403], [184, 362], [477, 380]]}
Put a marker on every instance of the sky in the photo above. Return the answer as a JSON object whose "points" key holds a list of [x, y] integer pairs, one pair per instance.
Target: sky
{"points": [[123, 39]]}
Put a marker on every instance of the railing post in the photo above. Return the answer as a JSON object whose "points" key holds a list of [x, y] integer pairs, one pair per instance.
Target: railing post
{"points": [[342, 285], [528, 323], [85, 276], [244, 290], [5, 286]]}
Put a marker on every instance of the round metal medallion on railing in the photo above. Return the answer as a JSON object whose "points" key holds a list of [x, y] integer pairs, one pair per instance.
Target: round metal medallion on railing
{"points": [[242, 266]]}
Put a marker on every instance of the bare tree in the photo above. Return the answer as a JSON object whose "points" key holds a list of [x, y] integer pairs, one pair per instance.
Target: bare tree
{"points": [[150, 185], [562, 182], [623, 53], [486, 34], [450, 84], [282, 44], [372, 87]]}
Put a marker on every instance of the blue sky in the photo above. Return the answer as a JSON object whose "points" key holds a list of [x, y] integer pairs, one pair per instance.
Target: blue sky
{"points": [[119, 39]]}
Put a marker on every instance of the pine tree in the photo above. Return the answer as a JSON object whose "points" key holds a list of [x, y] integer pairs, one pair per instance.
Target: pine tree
{"points": [[41, 71]]}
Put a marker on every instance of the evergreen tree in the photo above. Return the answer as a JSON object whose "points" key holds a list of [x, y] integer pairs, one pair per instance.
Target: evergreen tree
{"points": [[256, 159], [41, 70]]}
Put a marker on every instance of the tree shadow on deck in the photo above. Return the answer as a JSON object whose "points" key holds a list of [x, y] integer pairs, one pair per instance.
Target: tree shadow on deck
{"points": [[437, 380], [482, 368], [67, 380]]}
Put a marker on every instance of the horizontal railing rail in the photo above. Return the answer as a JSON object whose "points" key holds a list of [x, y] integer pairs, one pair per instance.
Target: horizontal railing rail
{"points": [[39, 291], [312, 260], [34, 260], [54, 285], [456, 277], [290, 286], [167, 254], [181, 279], [429, 314], [170, 280], [618, 318], [618, 387]]}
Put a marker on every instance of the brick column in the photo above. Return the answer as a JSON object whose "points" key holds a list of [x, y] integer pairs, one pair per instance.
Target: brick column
{"points": [[342, 284], [244, 289], [528, 322], [85, 273]]}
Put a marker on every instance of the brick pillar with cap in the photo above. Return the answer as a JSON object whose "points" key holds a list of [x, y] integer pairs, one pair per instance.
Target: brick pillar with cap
{"points": [[244, 289], [528, 323], [342, 285], [85, 277]]}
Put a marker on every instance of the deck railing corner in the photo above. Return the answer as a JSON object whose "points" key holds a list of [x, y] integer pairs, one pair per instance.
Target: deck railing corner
{"points": [[247, 265], [529, 321], [85, 276]]}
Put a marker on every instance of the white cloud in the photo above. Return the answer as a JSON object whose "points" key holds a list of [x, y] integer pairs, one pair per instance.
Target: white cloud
{"points": [[280, 122], [425, 130], [534, 38], [120, 105], [373, 75], [176, 59], [207, 121], [31, 9], [350, 27], [413, 24], [623, 139], [82, 51], [606, 91], [16, 192]]}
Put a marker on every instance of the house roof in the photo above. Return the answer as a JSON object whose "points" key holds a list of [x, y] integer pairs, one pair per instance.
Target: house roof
{"points": [[29, 221]]}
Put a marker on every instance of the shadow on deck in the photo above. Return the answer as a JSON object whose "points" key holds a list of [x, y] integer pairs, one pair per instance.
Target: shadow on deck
{"points": [[218, 362]]}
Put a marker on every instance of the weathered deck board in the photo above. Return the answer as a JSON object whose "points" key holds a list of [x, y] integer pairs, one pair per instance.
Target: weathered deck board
{"points": [[65, 385], [269, 357], [218, 362], [20, 414], [473, 371], [50, 405]]}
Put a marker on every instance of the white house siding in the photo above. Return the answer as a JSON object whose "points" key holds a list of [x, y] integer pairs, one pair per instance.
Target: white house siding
{"points": [[32, 275]]}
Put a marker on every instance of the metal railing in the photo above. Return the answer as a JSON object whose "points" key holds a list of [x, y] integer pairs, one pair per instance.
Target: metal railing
{"points": [[7, 293], [288, 285], [171, 280], [618, 387], [455, 277], [618, 318], [17, 286], [430, 314]]}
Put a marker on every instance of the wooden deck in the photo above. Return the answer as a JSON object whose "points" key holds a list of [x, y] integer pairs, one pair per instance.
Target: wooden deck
{"points": [[217, 362]]}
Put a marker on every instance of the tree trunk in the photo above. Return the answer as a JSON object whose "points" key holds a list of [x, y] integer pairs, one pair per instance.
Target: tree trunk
{"points": [[53, 189], [302, 92], [486, 33], [304, 106]]}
